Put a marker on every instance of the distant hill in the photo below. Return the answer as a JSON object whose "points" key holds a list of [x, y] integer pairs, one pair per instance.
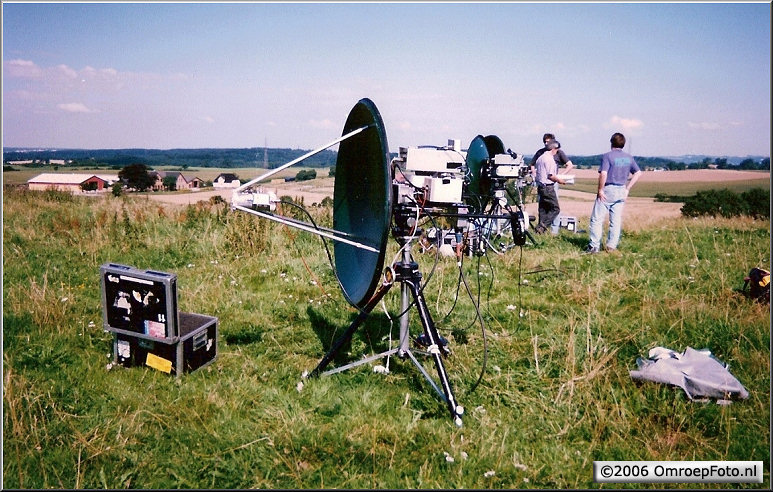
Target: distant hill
{"points": [[258, 156], [208, 157], [691, 158]]}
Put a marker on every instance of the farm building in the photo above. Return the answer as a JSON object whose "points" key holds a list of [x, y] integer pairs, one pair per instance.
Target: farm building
{"points": [[226, 180], [182, 182], [74, 183]]}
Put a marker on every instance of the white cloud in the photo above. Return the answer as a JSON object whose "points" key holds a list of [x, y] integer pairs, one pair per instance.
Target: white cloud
{"points": [[59, 79], [67, 71], [207, 119], [324, 124], [22, 69], [75, 107], [704, 125], [625, 124]]}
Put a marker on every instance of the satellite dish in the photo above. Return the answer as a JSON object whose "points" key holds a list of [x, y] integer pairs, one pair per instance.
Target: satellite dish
{"points": [[362, 203], [477, 155], [494, 145]]}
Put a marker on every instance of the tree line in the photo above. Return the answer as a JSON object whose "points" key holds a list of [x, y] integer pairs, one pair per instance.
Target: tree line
{"points": [[258, 157], [747, 164]]}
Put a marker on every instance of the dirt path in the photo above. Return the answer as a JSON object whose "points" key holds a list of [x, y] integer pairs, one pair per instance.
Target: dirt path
{"points": [[639, 212]]}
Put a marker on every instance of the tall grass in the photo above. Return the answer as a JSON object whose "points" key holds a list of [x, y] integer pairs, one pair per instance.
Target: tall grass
{"points": [[562, 331]]}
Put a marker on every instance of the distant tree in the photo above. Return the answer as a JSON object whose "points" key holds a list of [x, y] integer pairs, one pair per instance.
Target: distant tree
{"points": [[726, 203], [747, 164], [332, 171], [676, 166], [721, 163], [306, 175], [136, 176], [765, 163], [170, 183], [117, 189]]}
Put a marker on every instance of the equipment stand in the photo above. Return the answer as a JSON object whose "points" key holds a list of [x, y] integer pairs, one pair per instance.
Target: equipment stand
{"points": [[519, 220], [407, 273]]}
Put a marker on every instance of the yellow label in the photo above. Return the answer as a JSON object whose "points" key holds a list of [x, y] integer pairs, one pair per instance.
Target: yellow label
{"points": [[158, 363], [765, 281]]}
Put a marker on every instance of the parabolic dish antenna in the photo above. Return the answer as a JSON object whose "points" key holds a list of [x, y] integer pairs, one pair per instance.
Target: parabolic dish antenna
{"points": [[477, 155], [362, 202], [494, 145]]}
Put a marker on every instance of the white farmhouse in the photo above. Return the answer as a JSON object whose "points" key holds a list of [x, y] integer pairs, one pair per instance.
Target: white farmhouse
{"points": [[226, 180]]}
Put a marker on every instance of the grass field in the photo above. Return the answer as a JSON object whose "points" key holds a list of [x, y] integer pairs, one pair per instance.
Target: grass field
{"points": [[561, 332]]}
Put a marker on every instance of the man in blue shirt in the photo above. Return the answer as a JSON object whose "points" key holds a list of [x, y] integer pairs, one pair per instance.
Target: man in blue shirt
{"points": [[613, 189]]}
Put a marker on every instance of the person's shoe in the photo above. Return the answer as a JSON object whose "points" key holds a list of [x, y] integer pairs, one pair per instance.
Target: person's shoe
{"points": [[613, 251], [589, 250], [540, 230]]}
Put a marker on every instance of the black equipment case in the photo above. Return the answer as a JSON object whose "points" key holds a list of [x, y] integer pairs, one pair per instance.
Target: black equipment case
{"points": [[140, 308]]}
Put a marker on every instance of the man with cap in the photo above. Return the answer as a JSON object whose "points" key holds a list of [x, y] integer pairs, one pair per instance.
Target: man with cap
{"points": [[561, 160], [547, 176]]}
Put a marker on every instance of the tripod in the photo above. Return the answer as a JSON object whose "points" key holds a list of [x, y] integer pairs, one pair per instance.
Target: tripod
{"points": [[516, 221], [406, 272]]}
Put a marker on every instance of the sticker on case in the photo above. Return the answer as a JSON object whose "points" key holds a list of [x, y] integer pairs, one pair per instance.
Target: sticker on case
{"points": [[155, 329], [124, 349], [159, 363]]}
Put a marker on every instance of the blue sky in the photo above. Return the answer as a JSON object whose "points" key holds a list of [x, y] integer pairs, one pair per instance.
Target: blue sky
{"points": [[675, 78]]}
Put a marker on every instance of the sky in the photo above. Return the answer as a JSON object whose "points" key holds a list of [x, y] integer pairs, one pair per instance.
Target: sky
{"points": [[675, 78]]}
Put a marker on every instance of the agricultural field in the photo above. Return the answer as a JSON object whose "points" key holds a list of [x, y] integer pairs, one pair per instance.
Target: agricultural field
{"points": [[542, 340], [23, 174]]}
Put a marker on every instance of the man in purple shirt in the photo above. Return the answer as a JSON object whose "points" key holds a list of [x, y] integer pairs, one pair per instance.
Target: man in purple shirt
{"points": [[613, 189]]}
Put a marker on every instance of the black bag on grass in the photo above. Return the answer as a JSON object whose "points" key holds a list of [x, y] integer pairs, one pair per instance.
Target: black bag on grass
{"points": [[758, 284]]}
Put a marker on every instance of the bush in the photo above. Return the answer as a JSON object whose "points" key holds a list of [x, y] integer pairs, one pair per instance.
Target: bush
{"points": [[725, 203], [758, 203], [306, 175]]}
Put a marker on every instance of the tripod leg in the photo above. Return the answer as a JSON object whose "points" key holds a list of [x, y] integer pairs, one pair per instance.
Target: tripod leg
{"points": [[435, 349], [347, 335]]}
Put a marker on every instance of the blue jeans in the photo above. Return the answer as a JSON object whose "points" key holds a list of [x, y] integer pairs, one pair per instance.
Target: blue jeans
{"points": [[557, 221], [613, 206]]}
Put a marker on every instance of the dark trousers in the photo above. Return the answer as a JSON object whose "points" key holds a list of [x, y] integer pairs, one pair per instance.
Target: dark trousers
{"points": [[548, 207]]}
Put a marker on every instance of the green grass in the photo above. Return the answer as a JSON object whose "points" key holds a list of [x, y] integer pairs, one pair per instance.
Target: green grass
{"points": [[556, 394]]}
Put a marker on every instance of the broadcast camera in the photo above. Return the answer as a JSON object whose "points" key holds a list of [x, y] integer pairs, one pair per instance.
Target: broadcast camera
{"points": [[466, 186]]}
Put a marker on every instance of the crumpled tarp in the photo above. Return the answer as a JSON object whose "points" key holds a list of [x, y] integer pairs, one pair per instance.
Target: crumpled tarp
{"points": [[697, 372]]}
